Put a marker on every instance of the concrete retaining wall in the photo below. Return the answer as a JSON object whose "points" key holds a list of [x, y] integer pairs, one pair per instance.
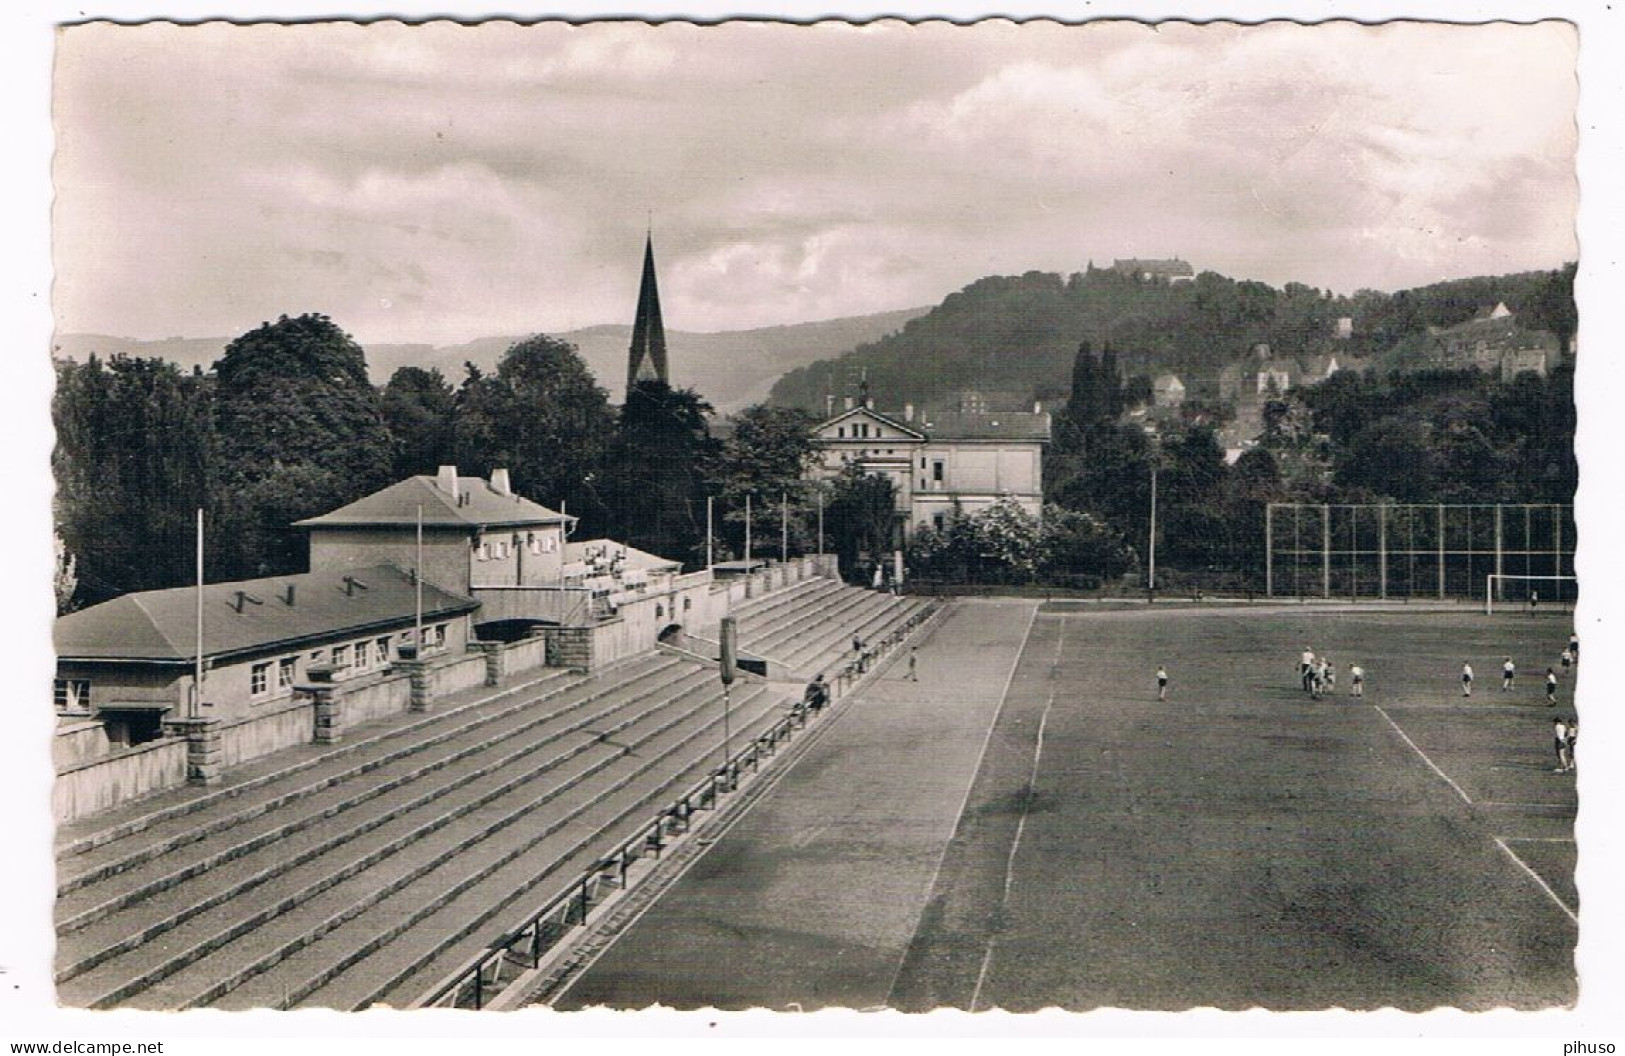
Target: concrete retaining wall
{"points": [[129, 773], [281, 725]]}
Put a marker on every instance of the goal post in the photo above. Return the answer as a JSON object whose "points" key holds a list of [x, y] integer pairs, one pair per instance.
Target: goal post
{"points": [[1560, 590]]}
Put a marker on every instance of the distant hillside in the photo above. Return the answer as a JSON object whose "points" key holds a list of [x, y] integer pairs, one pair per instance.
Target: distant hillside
{"points": [[732, 369], [1014, 338]]}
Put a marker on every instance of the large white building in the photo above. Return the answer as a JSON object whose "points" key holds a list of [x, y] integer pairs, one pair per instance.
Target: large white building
{"points": [[941, 461]]}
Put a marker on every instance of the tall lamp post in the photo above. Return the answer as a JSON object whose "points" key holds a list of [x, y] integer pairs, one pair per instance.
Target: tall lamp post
{"points": [[1151, 543]]}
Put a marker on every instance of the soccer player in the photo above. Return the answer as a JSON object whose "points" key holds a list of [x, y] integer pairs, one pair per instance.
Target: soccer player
{"points": [[1356, 680], [1466, 679], [1508, 669], [1162, 682], [913, 662], [1306, 667], [1574, 735], [1574, 646], [1560, 741], [1328, 675], [1551, 687], [1566, 658]]}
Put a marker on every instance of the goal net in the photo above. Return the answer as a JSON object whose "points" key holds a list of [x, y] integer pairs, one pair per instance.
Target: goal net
{"points": [[1530, 592]]}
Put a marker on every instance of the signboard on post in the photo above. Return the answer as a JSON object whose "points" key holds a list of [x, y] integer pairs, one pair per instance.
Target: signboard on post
{"points": [[730, 658]]}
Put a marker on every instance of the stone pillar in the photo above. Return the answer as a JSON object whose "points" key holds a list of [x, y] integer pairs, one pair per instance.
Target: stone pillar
{"points": [[494, 657], [327, 705], [417, 672], [203, 750]]}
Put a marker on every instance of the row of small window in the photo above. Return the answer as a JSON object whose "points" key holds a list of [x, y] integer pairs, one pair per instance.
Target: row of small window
{"points": [[362, 656], [860, 431], [501, 549]]}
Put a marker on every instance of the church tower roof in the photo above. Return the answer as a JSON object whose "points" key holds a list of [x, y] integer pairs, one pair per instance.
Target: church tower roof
{"points": [[646, 360]]}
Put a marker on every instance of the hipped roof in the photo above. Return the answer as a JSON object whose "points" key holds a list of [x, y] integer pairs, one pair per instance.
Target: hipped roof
{"points": [[161, 625], [482, 506]]}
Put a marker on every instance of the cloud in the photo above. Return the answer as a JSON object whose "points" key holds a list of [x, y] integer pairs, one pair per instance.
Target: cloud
{"points": [[497, 177]]}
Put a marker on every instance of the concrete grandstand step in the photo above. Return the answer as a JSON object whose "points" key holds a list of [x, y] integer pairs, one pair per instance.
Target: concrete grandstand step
{"points": [[378, 744], [290, 966], [839, 618], [87, 834], [823, 612], [872, 624], [396, 789], [775, 605], [314, 859], [401, 971]]}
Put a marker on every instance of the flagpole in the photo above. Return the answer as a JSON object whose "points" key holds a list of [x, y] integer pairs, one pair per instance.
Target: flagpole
{"points": [[709, 500], [784, 526], [747, 532], [417, 576], [820, 522], [197, 672]]}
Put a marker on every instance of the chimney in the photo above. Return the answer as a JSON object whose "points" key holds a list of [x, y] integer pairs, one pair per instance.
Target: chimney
{"points": [[499, 482], [908, 412], [848, 403], [446, 480], [289, 598], [1038, 407]]}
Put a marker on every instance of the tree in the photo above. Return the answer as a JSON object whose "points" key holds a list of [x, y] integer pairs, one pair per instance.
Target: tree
{"points": [[294, 409], [767, 457], [862, 518], [657, 470], [543, 418], [418, 407], [133, 462]]}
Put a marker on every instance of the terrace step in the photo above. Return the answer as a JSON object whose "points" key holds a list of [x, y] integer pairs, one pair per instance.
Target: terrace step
{"points": [[108, 943]]}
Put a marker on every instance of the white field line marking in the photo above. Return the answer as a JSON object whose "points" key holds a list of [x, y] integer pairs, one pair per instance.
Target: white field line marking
{"points": [[987, 738], [1538, 839], [1021, 823], [1496, 804], [1464, 797], [1501, 843]]}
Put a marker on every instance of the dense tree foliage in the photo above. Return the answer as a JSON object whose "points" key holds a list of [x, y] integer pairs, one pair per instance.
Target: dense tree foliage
{"points": [[541, 416], [659, 463], [134, 460], [299, 432], [418, 407], [766, 457], [1013, 337]]}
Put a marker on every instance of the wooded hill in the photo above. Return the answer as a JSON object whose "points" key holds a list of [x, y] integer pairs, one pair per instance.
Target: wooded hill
{"points": [[1013, 338], [732, 369]]}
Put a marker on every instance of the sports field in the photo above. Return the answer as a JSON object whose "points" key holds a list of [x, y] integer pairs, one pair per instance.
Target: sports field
{"points": [[1028, 826]]}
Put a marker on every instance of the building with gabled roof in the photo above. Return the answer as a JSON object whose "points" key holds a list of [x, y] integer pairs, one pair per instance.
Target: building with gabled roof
{"points": [[939, 462], [476, 533], [1174, 270], [130, 661]]}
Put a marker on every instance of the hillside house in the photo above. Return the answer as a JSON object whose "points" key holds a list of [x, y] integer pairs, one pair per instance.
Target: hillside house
{"points": [[1495, 342], [1167, 391], [1169, 271], [940, 461]]}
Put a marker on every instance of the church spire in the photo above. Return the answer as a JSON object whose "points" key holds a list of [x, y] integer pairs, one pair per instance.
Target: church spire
{"points": [[646, 360]]}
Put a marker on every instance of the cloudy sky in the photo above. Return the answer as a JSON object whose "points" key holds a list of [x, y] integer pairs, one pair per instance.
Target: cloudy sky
{"points": [[441, 182]]}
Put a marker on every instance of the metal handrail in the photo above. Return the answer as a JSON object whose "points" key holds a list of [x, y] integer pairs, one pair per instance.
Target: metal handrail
{"points": [[468, 985]]}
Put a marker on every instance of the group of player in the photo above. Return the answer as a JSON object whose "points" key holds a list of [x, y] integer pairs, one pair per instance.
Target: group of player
{"points": [[1509, 672], [1319, 677]]}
